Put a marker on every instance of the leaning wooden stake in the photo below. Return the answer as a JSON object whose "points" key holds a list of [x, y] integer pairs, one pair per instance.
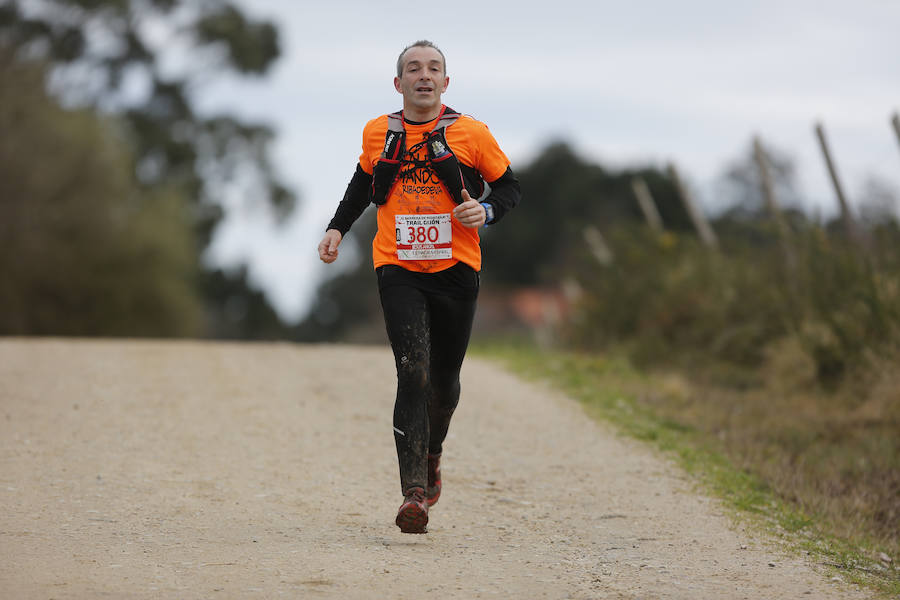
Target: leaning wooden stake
{"points": [[768, 188], [896, 122], [597, 245], [846, 217], [645, 201], [697, 217]]}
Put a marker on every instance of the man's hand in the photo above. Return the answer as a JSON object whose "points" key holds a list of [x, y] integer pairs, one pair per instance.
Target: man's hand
{"points": [[328, 247], [470, 213]]}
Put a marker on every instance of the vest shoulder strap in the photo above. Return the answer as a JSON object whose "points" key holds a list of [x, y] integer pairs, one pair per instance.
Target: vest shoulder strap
{"points": [[395, 121], [447, 117]]}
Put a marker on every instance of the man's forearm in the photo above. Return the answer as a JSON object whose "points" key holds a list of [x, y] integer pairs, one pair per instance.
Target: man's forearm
{"points": [[355, 201], [505, 195]]}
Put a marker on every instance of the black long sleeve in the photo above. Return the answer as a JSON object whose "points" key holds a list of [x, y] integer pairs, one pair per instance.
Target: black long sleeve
{"points": [[355, 201], [504, 195]]}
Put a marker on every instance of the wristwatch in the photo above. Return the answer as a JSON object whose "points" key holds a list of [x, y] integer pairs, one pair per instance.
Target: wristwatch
{"points": [[488, 211]]}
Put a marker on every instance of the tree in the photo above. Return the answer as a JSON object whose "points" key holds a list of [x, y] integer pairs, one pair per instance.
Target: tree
{"points": [[346, 307], [740, 184], [102, 50], [879, 202], [144, 61], [235, 310], [562, 194], [82, 251]]}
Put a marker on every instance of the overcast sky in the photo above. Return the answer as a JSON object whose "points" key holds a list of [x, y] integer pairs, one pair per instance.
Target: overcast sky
{"points": [[625, 83]]}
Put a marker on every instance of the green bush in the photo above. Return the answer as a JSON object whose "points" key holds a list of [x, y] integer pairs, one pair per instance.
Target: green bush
{"points": [[667, 298], [664, 294], [849, 299]]}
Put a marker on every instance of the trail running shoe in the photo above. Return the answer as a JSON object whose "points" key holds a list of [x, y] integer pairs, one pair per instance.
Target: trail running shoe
{"points": [[413, 514], [433, 491]]}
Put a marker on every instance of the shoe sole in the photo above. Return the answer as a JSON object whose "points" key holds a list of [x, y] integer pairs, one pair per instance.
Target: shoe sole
{"points": [[412, 519]]}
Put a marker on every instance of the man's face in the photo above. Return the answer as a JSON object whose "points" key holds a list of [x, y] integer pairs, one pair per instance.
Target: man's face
{"points": [[422, 79]]}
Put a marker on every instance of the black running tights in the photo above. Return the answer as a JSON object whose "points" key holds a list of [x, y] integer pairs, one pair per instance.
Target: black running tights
{"points": [[429, 333]]}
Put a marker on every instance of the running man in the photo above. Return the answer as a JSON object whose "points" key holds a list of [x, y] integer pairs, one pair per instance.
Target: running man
{"points": [[425, 169]]}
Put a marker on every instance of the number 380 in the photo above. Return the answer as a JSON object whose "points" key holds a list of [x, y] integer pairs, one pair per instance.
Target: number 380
{"points": [[421, 234]]}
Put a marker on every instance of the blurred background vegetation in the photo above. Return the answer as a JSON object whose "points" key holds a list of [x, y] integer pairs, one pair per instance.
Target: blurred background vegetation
{"points": [[780, 342], [112, 183]]}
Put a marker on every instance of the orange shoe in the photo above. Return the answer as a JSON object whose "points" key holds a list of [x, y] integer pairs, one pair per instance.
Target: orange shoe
{"points": [[413, 514], [433, 490]]}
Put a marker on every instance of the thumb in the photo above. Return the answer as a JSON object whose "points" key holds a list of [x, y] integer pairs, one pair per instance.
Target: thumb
{"points": [[465, 195]]}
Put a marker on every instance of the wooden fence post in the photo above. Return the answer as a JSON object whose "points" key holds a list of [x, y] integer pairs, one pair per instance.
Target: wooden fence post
{"points": [[846, 217], [597, 245], [645, 201], [896, 122], [706, 233], [768, 190]]}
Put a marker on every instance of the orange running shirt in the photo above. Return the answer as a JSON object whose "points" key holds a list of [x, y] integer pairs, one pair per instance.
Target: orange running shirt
{"points": [[418, 191]]}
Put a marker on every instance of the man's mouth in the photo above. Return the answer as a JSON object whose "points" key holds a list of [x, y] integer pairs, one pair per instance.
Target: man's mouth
{"points": [[424, 89]]}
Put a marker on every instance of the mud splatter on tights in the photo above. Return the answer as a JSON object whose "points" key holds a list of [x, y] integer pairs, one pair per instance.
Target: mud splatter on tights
{"points": [[429, 333]]}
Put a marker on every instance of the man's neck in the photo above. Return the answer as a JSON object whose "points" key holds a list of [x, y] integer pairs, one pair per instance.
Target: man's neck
{"points": [[421, 115]]}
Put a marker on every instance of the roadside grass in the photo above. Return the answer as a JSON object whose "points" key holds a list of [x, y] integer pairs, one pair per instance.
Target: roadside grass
{"points": [[707, 436]]}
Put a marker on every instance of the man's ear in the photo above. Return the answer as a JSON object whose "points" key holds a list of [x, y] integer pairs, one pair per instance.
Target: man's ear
{"points": [[446, 83], [397, 84]]}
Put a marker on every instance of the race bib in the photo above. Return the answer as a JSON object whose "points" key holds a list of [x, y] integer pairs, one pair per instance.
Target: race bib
{"points": [[424, 237]]}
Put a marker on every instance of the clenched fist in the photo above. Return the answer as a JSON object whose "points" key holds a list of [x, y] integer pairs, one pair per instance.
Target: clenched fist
{"points": [[328, 247]]}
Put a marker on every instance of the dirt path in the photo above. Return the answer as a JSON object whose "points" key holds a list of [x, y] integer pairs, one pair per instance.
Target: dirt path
{"points": [[199, 470]]}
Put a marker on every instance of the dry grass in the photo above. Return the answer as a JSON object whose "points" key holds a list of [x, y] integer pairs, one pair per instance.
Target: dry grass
{"points": [[833, 453]]}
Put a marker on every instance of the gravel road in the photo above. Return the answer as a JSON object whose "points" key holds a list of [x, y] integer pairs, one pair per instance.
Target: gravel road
{"points": [[156, 469]]}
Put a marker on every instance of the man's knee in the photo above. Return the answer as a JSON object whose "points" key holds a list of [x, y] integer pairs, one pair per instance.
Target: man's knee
{"points": [[446, 387], [412, 371]]}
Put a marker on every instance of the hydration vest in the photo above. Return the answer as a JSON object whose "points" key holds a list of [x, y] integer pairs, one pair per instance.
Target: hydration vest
{"points": [[440, 157]]}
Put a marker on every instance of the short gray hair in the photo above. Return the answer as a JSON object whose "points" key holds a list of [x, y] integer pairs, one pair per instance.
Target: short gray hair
{"points": [[419, 44]]}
